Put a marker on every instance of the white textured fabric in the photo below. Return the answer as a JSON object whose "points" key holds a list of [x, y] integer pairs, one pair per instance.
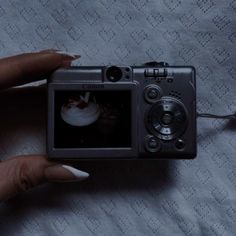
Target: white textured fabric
{"points": [[196, 197]]}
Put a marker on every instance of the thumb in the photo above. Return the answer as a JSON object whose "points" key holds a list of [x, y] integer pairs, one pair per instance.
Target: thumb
{"points": [[22, 173]]}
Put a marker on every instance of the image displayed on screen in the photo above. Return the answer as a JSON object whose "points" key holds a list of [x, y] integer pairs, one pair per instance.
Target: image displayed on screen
{"points": [[92, 119]]}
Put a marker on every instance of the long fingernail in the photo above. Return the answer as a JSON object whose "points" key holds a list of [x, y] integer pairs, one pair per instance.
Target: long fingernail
{"points": [[64, 173], [69, 54], [77, 173], [48, 51]]}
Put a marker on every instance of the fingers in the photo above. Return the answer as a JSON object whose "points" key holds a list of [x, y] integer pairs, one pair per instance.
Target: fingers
{"points": [[22, 173], [30, 67]]}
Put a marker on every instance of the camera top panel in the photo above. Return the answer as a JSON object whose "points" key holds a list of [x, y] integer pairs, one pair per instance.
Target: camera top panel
{"points": [[120, 74]]}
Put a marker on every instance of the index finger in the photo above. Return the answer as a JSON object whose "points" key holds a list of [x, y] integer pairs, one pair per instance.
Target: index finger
{"points": [[28, 67]]}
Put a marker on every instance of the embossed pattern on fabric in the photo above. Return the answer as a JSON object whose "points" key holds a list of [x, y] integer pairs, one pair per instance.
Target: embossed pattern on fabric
{"points": [[196, 197]]}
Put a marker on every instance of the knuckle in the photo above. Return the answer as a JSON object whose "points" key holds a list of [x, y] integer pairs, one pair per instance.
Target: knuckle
{"points": [[23, 180]]}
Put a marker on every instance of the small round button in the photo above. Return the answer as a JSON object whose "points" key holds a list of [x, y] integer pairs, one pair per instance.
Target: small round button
{"points": [[152, 143], [180, 144], [152, 93], [167, 118]]}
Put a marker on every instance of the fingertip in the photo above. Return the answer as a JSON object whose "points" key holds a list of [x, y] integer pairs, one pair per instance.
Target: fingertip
{"points": [[29, 67], [64, 173], [56, 59]]}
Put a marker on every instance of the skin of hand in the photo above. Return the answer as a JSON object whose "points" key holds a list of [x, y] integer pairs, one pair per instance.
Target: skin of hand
{"points": [[18, 174]]}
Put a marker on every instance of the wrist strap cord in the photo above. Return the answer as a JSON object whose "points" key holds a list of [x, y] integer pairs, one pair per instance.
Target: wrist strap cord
{"points": [[214, 116]]}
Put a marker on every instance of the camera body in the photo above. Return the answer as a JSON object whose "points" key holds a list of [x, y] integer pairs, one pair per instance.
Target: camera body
{"points": [[122, 112]]}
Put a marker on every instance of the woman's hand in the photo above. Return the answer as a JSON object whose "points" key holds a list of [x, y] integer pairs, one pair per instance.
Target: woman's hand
{"points": [[18, 174]]}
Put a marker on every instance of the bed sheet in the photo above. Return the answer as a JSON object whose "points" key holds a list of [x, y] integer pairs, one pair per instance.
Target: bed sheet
{"points": [[186, 197]]}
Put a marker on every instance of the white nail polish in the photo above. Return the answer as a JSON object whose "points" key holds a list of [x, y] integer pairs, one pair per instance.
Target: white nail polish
{"points": [[71, 54], [77, 173]]}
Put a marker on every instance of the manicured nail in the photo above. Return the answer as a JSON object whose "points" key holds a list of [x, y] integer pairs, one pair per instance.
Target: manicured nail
{"points": [[64, 173], [48, 51], [69, 54], [79, 174]]}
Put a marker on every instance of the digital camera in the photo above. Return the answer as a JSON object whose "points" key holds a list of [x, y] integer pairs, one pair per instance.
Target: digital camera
{"points": [[122, 112]]}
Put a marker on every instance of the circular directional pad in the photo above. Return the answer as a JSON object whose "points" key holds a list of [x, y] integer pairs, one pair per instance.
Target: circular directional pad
{"points": [[167, 119]]}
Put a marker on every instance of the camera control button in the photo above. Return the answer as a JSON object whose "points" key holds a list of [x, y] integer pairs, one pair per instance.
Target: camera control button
{"points": [[161, 72], [152, 143], [157, 72], [180, 144], [152, 93], [179, 117], [166, 130], [149, 72], [167, 118]]}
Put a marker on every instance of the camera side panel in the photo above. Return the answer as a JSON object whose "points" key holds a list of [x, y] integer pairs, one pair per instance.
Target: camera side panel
{"points": [[167, 112]]}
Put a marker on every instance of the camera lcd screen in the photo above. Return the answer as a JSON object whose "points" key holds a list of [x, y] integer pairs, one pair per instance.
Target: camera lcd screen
{"points": [[92, 119]]}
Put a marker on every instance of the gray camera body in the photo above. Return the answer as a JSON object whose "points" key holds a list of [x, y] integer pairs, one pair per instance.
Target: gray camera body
{"points": [[135, 112]]}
